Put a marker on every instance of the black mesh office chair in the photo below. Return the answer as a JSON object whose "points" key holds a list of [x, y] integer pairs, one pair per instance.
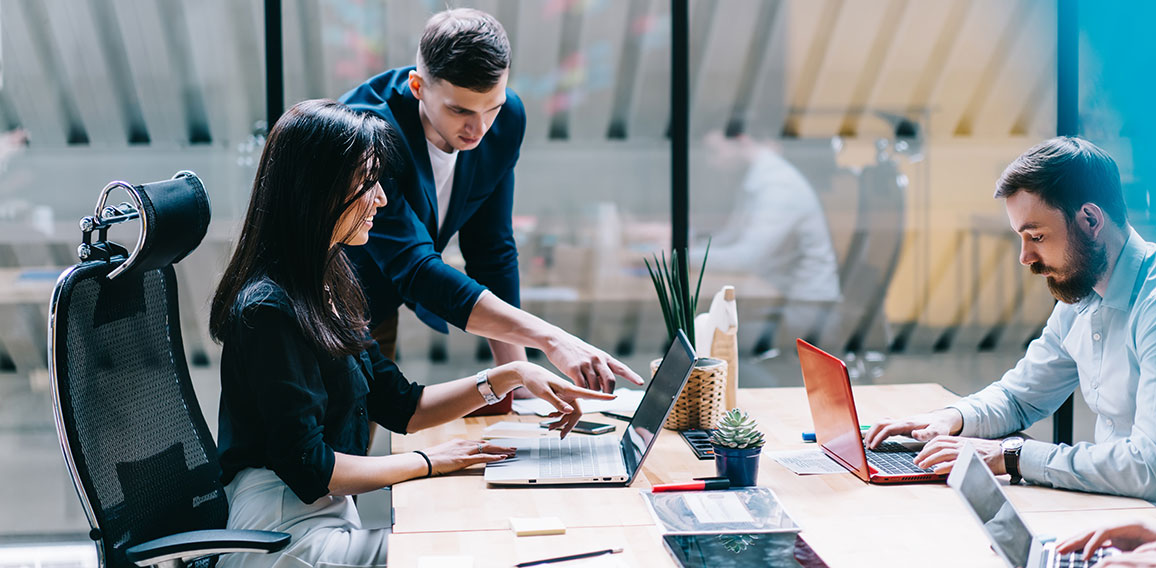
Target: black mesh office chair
{"points": [[135, 442]]}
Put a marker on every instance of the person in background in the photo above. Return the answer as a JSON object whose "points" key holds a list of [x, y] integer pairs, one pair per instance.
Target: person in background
{"points": [[300, 376], [778, 231]]}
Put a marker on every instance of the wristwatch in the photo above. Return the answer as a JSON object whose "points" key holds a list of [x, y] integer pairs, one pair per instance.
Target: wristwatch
{"points": [[1011, 457], [486, 389]]}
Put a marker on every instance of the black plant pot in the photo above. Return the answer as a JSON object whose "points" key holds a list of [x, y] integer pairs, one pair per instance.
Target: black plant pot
{"points": [[740, 466]]}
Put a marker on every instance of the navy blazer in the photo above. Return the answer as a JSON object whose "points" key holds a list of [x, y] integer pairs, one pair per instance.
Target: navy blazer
{"points": [[402, 262]]}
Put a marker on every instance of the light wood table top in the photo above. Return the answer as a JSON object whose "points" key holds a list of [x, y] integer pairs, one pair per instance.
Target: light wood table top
{"points": [[641, 546], [841, 516]]}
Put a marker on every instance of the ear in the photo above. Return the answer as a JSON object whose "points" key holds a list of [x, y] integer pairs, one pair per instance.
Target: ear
{"points": [[1091, 219], [415, 84]]}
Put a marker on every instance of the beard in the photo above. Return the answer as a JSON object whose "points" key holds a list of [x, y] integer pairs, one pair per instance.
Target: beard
{"points": [[1086, 263]]}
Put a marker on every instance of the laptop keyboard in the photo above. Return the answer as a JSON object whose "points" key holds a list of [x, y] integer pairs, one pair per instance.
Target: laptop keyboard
{"points": [[894, 458], [1076, 559], [573, 457]]}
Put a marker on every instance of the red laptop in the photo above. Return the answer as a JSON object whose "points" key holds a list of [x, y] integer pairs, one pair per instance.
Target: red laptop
{"points": [[837, 425]]}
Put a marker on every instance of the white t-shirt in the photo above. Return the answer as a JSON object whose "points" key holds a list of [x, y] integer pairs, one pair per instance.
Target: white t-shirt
{"points": [[443, 174]]}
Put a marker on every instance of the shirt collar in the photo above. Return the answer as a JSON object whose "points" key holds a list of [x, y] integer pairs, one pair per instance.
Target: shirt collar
{"points": [[1122, 283]]}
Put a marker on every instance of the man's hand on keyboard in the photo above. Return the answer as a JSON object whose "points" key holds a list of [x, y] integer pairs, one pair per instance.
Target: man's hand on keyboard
{"points": [[1137, 559], [940, 454], [560, 393], [1135, 535], [922, 427]]}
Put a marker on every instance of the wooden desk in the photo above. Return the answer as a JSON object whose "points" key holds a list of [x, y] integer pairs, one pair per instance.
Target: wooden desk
{"points": [[842, 517], [641, 546]]}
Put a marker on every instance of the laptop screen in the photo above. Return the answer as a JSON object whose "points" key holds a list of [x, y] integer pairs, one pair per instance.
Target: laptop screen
{"points": [[656, 404], [832, 407], [981, 492]]}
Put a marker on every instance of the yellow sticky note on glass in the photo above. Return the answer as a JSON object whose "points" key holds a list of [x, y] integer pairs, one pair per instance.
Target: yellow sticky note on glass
{"points": [[534, 526]]}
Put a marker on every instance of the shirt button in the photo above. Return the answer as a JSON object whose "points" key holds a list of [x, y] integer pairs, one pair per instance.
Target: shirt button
{"points": [[1096, 336], [1108, 422], [1096, 385], [360, 411]]}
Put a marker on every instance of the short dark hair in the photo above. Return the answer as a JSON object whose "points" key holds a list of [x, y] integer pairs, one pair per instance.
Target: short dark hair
{"points": [[318, 161], [1066, 172], [466, 47]]}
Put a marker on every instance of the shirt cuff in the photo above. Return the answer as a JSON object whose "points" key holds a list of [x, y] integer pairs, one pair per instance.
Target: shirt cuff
{"points": [[1033, 457], [970, 419]]}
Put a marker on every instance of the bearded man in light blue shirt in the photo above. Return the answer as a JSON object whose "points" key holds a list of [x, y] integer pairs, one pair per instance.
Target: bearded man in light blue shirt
{"points": [[1064, 200]]}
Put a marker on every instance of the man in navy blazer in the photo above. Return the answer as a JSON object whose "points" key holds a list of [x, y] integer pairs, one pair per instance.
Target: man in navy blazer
{"points": [[461, 132]]}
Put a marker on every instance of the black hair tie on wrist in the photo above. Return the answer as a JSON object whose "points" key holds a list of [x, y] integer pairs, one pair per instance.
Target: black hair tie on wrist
{"points": [[428, 464]]}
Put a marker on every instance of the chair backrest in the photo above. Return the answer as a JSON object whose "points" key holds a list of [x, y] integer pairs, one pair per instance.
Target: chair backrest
{"points": [[872, 257], [132, 433]]}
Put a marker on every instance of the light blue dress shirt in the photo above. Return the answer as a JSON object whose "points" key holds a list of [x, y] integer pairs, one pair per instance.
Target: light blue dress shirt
{"points": [[1107, 347]]}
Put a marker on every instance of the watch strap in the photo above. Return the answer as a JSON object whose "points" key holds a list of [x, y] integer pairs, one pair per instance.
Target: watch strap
{"points": [[482, 381], [1011, 462]]}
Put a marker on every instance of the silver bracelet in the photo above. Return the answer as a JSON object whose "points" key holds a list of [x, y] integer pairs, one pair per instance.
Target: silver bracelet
{"points": [[482, 381]]}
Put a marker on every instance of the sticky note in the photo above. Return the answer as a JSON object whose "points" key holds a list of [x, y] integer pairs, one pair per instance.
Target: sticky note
{"points": [[445, 562], [534, 526]]}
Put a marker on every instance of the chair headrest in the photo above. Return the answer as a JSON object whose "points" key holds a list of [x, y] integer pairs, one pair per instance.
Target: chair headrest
{"points": [[174, 217]]}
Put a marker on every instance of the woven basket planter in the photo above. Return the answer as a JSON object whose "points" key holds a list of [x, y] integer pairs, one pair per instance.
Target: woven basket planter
{"points": [[702, 402]]}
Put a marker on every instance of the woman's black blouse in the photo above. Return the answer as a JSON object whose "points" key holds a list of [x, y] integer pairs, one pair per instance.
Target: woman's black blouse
{"points": [[287, 405]]}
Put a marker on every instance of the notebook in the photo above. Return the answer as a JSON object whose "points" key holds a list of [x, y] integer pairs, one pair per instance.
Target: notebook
{"points": [[837, 425], [600, 460], [1009, 536]]}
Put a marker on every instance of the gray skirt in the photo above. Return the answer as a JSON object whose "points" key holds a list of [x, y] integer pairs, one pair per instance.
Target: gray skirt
{"points": [[325, 534]]}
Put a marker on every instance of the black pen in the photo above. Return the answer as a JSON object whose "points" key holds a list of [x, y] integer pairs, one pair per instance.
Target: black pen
{"points": [[570, 557]]}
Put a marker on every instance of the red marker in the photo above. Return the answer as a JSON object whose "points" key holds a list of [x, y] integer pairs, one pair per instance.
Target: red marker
{"points": [[704, 484]]}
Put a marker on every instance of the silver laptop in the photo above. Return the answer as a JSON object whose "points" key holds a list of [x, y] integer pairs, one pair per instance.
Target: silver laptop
{"points": [[1009, 536], [602, 460]]}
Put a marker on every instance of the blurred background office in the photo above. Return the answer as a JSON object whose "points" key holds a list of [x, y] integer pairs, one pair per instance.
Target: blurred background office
{"points": [[896, 115]]}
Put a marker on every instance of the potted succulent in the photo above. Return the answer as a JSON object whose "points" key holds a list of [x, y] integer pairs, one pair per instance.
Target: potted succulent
{"points": [[701, 403], [737, 444]]}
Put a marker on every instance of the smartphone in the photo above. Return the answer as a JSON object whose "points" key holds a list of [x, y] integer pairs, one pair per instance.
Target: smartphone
{"points": [[585, 427]]}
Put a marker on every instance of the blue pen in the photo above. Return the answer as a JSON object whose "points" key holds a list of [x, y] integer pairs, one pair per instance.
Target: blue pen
{"points": [[810, 436]]}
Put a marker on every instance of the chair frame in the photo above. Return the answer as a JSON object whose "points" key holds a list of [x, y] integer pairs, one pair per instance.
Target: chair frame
{"points": [[172, 551]]}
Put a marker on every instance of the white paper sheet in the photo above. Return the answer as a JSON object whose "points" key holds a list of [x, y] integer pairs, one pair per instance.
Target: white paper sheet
{"points": [[713, 507], [807, 462], [626, 403]]}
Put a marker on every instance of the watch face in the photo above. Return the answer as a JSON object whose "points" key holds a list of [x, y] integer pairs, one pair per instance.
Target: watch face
{"points": [[1012, 443]]}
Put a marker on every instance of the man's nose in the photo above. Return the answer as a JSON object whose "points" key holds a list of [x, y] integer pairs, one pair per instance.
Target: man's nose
{"points": [[1028, 254], [477, 125]]}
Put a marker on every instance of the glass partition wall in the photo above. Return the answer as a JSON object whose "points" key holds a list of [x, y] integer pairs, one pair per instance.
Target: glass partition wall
{"points": [[844, 157]]}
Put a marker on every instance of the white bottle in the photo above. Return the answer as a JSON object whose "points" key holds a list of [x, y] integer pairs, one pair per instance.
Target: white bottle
{"points": [[716, 335]]}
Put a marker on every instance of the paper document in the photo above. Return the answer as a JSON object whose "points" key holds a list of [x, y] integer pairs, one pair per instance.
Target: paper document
{"points": [[807, 462], [510, 429], [626, 403], [735, 511], [712, 507]]}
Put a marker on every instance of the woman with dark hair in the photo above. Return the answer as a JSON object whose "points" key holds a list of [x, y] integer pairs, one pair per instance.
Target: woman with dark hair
{"points": [[300, 376]]}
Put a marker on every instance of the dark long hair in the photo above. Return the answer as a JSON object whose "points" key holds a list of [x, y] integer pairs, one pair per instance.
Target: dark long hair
{"points": [[319, 159]]}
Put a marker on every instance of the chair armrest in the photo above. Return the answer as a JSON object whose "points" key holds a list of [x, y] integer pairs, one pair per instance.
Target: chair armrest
{"points": [[191, 545]]}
